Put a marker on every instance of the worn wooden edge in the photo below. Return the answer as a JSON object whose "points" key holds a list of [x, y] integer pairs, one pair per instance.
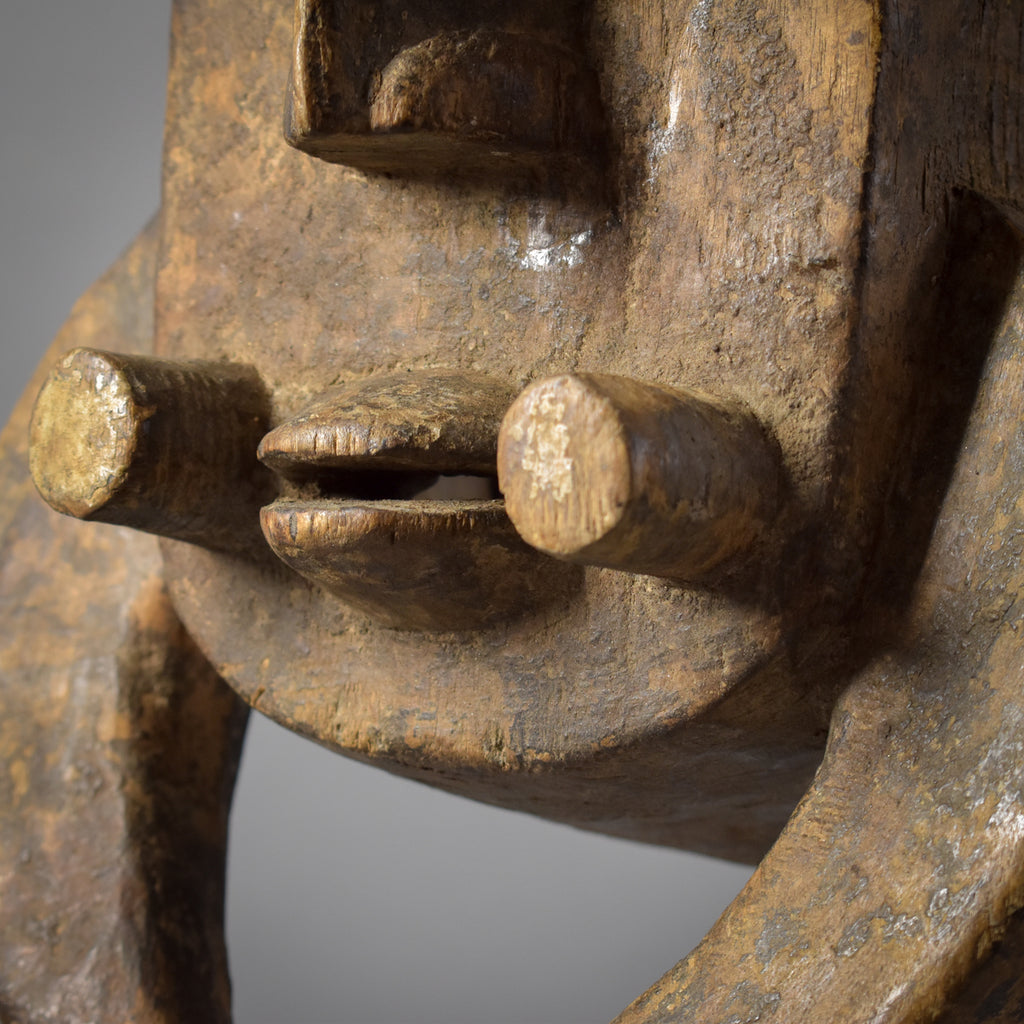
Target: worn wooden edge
{"points": [[904, 863], [120, 745], [385, 558]]}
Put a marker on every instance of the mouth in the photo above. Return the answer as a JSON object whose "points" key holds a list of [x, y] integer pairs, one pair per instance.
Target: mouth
{"points": [[392, 504]]}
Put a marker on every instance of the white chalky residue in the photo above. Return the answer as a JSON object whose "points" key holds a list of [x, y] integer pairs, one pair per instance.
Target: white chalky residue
{"points": [[664, 139], [890, 1001], [542, 249], [1008, 817], [544, 458], [700, 16], [939, 903], [568, 254]]}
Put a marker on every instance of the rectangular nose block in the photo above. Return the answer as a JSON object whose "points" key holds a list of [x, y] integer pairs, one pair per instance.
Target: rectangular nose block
{"points": [[467, 94]]}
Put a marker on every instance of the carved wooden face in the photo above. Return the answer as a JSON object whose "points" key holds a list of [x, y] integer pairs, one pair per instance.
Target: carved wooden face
{"points": [[694, 221]]}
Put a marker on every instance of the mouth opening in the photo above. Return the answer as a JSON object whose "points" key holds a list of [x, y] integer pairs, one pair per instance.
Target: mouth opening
{"points": [[466, 487], [390, 502], [393, 485]]}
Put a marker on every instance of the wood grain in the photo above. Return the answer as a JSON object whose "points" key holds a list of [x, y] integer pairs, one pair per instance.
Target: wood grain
{"points": [[161, 446], [498, 99], [810, 212], [428, 423], [903, 864], [119, 746], [608, 471], [389, 558]]}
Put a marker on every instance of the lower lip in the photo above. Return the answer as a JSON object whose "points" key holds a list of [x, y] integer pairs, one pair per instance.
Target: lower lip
{"points": [[422, 565]]}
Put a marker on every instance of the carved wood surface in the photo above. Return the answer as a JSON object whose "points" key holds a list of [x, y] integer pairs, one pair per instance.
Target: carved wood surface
{"points": [[904, 863], [119, 746], [607, 471], [809, 213], [519, 287]]}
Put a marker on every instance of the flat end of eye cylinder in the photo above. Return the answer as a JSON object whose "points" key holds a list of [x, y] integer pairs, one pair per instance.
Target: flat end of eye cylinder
{"points": [[564, 466], [84, 433], [631, 475]]}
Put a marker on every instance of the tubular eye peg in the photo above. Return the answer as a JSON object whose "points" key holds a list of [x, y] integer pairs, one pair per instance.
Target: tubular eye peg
{"points": [[163, 446], [487, 101], [607, 471]]}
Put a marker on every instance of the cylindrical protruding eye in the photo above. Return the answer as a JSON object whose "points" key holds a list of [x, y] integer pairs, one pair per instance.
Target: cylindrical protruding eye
{"points": [[162, 446], [609, 471]]}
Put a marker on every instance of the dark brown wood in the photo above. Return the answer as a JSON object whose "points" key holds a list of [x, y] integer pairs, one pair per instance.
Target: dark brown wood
{"points": [[119, 746], [388, 558], [810, 212], [510, 97], [995, 992], [359, 456], [902, 865], [603, 470], [405, 275], [399, 423]]}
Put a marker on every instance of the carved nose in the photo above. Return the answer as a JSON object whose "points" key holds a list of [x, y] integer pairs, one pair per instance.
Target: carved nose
{"points": [[507, 96], [163, 446]]}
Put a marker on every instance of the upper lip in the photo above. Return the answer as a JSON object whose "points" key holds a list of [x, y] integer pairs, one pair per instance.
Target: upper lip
{"points": [[393, 426]]}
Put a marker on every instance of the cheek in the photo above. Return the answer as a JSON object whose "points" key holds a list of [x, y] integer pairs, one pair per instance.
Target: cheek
{"points": [[327, 276]]}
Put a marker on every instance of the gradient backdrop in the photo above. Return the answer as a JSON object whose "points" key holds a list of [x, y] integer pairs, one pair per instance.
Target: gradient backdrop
{"points": [[353, 897]]}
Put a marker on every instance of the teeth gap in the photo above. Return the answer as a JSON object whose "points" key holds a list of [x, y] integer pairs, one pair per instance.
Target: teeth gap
{"points": [[461, 488], [395, 485]]}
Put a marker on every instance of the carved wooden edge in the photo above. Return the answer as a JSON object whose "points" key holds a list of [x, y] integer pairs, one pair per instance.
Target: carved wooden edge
{"points": [[994, 994], [904, 863], [119, 744], [484, 104]]}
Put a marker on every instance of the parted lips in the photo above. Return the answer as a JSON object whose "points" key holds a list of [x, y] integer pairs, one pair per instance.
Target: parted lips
{"points": [[406, 561]]}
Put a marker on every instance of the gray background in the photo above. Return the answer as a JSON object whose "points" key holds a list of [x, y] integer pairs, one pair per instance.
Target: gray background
{"points": [[353, 897]]}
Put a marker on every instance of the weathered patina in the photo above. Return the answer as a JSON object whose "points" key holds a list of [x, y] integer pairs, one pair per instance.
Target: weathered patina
{"points": [[754, 272]]}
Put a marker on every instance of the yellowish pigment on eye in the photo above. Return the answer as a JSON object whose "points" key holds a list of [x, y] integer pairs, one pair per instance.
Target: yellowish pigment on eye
{"points": [[544, 457]]}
